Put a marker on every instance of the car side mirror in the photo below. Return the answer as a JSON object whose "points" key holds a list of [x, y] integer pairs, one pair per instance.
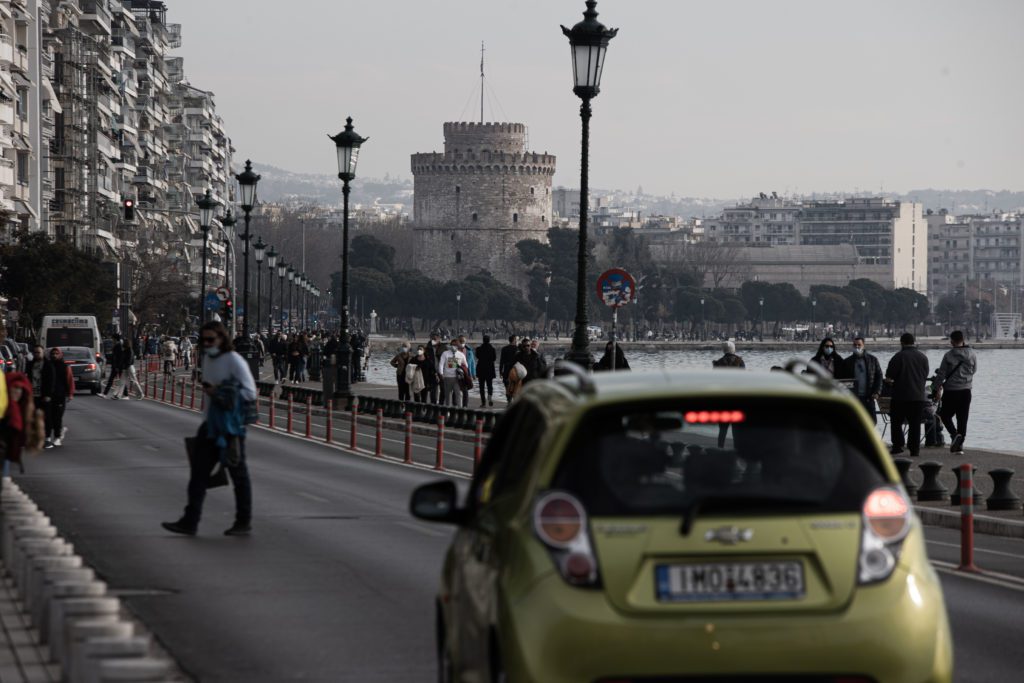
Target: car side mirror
{"points": [[437, 502]]}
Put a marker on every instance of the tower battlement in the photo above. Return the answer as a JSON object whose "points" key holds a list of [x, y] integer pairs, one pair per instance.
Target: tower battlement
{"points": [[467, 136]]}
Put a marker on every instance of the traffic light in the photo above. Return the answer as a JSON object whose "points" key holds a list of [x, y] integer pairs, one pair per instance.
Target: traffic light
{"points": [[129, 209], [228, 308]]}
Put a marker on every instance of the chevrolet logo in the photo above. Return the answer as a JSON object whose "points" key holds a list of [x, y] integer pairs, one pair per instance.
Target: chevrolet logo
{"points": [[729, 535]]}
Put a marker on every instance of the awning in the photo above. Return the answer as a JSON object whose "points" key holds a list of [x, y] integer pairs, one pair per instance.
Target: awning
{"points": [[25, 207], [21, 15], [5, 11], [109, 82], [7, 83], [51, 95], [21, 143], [192, 227], [21, 79]]}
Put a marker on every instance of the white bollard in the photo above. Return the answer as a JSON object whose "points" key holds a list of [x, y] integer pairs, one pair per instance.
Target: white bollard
{"points": [[55, 594], [50, 570], [136, 669], [63, 613], [85, 630], [35, 528], [85, 665], [27, 548]]}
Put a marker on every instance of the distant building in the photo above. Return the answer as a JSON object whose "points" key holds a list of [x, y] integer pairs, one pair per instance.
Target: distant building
{"points": [[949, 252], [565, 204], [975, 247], [475, 201]]}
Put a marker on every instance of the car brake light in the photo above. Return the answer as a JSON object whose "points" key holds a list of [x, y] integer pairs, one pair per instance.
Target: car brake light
{"points": [[714, 416], [90, 366], [560, 522], [886, 523]]}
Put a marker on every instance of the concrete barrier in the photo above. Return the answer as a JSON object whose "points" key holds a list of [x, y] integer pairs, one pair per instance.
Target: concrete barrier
{"points": [[92, 652], [86, 629], [54, 597], [135, 669], [65, 613]]}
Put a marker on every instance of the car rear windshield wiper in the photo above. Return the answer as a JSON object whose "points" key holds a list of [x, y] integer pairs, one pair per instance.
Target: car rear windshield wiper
{"points": [[694, 504]]}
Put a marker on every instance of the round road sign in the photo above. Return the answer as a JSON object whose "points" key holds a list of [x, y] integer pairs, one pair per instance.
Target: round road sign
{"points": [[223, 293], [616, 288]]}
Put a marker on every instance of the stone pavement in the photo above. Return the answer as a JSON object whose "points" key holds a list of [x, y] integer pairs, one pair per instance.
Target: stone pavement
{"points": [[22, 659]]}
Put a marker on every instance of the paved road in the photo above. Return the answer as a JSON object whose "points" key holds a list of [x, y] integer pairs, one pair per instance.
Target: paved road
{"points": [[337, 582]]}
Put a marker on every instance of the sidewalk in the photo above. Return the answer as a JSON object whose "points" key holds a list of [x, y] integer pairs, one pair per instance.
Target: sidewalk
{"points": [[22, 659]]}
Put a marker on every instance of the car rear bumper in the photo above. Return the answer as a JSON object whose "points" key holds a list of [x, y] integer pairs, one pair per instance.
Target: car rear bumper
{"points": [[894, 631]]}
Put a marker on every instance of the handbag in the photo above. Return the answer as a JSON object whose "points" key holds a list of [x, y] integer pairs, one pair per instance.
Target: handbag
{"points": [[520, 371], [218, 477]]}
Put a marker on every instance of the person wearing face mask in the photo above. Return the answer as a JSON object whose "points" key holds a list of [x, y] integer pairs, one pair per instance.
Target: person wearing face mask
{"points": [[58, 387], [34, 371], [866, 372], [420, 372], [399, 362], [449, 366], [228, 385], [433, 352], [827, 357]]}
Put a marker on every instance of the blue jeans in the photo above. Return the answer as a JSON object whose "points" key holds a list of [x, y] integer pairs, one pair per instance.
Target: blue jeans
{"points": [[206, 458]]}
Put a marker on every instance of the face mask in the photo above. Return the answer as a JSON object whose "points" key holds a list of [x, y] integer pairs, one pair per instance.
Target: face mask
{"points": [[827, 351], [858, 351], [405, 349], [211, 351]]}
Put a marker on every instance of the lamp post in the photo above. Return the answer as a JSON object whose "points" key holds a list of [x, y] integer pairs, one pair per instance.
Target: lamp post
{"points": [[760, 328], [915, 319], [282, 271], [347, 144], [247, 185], [291, 293], [589, 41], [272, 263], [227, 222], [977, 336], [702, 323], [864, 312], [303, 290], [260, 250], [207, 205], [814, 304], [458, 311]]}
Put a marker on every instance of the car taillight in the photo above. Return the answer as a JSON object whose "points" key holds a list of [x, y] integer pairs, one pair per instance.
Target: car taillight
{"points": [[560, 523], [90, 366], [886, 523]]}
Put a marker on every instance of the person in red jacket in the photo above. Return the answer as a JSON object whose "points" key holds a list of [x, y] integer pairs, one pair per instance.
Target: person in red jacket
{"points": [[58, 387]]}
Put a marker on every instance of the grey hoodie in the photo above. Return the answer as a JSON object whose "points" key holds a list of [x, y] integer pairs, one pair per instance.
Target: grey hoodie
{"points": [[956, 378]]}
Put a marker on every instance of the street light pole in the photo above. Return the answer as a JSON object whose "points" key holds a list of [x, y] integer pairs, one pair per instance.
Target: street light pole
{"points": [[915, 319], [977, 336], [206, 205], [291, 293], [282, 271], [588, 40], [260, 248], [272, 263], [247, 184], [228, 224], [347, 144], [703, 325], [864, 312], [760, 329], [458, 312], [814, 304]]}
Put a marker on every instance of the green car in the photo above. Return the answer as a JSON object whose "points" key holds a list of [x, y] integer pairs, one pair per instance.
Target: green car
{"points": [[699, 526]]}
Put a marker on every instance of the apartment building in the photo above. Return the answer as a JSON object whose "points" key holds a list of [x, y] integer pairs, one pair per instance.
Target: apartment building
{"points": [[982, 248], [949, 252], [885, 233]]}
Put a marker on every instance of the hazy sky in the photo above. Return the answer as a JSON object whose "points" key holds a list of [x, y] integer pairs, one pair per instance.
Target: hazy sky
{"points": [[702, 98]]}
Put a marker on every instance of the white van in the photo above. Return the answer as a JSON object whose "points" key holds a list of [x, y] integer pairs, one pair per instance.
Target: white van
{"points": [[72, 330]]}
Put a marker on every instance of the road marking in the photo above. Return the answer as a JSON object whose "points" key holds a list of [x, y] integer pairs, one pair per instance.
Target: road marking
{"points": [[977, 549], [992, 578], [310, 496], [151, 447], [420, 528], [121, 435]]}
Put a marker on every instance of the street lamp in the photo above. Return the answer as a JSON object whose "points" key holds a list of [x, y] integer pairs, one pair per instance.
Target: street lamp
{"points": [[977, 336], [282, 271], [291, 291], [864, 311], [272, 263], [227, 222], [458, 313], [760, 333], [915, 319], [814, 304], [207, 205], [260, 250], [247, 185], [589, 41], [347, 144]]}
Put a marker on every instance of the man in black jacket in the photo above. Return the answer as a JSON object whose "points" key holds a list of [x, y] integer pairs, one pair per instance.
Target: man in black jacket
{"points": [[116, 364], [908, 374], [485, 358], [507, 359], [866, 372]]}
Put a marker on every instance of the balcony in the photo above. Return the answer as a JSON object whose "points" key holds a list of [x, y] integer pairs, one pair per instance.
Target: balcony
{"points": [[21, 59], [95, 17], [6, 172], [125, 44], [6, 113], [6, 49]]}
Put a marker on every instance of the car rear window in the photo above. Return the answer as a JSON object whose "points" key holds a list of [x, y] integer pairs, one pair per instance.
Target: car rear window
{"points": [[69, 336], [663, 458], [77, 353]]}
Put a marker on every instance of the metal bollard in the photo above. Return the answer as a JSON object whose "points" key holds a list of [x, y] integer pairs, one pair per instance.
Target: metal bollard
{"points": [[954, 497], [273, 424], [378, 449], [439, 458], [478, 442], [290, 405], [408, 438], [903, 466], [330, 421], [352, 442], [192, 397], [967, 519], [181, 398], [1003, 497], [309, 417], [931, 489]]}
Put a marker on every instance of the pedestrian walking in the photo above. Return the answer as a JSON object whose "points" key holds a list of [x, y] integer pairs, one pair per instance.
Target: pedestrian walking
{"points": [[542, 361], [486, 355], [416, 372], [907, 372], [954, 380], [449, 367], [866, 372], [729, 358], [612, 351], [432, 376], [186, 351], [229, 388], [827, 357], [466, 382], [58, 388], [530, 360], [129, 379], [22, 426], [507, 359], [34, 372], [399, 362], [116, 365]]}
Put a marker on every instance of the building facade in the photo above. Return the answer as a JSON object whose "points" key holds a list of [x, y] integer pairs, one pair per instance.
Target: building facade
{"points": [[983, 249], [476, 200]]}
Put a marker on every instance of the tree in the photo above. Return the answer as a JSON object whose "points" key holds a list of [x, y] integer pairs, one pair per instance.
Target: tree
{"points": [[366, 251], [376, 289], [952, 309], [833, 307], [161, 292], [713, 263]]}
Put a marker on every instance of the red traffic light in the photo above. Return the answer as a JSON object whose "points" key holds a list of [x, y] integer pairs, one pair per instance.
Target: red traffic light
{"points": [[128, 203]]}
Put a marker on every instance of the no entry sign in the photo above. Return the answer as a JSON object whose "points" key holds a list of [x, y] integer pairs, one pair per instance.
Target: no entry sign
{"points": [[616, 288]]}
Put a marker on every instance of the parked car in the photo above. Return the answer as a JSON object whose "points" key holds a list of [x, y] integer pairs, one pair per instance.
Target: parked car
{"points": [[660, 527], [87, 372], [7, 358]]}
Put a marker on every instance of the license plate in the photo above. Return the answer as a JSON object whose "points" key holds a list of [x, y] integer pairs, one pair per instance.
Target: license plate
{"points": [[725, 581]]}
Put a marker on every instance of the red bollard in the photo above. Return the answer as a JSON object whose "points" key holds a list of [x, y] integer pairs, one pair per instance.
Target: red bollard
{"points": [[408, 438], [309, 418], [271, 418], [379, 446], [967, 519], [478, 442], [181, 396], [145, 390], [192, 396], [163, 390], [289, 413], [172, 389], [352, 442], [439, 459], [330, 421]]}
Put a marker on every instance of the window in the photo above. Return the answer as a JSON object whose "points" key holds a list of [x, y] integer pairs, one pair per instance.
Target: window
{"points": [[474, 215], [23, 168], [458, 257], [458, 189], [515, 218], [531, 191]]}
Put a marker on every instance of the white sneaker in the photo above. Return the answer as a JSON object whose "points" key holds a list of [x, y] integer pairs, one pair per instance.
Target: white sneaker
{"points": [[125, 398], [63, 433], [58, 442]]}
